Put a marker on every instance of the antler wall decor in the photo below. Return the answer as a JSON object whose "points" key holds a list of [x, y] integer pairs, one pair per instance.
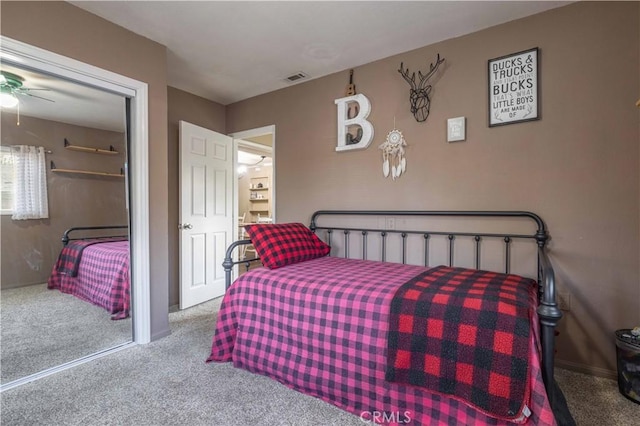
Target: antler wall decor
{"points": [[419, 94]]}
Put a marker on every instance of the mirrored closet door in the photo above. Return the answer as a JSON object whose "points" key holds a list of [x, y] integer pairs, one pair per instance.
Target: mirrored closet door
{"points": [[63, 157]]}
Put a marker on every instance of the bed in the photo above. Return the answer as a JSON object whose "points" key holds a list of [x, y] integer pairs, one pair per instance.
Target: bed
{"points": [[394, 342], [95, 268]]}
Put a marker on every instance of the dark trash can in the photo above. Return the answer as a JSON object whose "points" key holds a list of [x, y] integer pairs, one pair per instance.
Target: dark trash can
{"points": [[628, 357]]}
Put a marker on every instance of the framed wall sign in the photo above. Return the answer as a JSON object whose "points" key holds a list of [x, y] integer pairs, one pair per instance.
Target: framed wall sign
{"points": [[513, 88]]}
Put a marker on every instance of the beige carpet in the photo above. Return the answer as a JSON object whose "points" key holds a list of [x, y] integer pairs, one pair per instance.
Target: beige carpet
{"points": [[43, 328], [595, 401], [167, 382]]}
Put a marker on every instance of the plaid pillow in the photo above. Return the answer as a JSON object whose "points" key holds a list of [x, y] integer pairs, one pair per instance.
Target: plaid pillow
{"points": [[282, 244]]}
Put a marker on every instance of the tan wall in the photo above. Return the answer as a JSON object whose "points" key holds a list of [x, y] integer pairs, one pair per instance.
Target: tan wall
{"points": [[74, 199], [578, 167], [67, 30], [201, 112]]}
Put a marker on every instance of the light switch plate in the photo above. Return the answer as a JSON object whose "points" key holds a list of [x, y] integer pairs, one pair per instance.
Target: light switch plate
{"points": [[456, 129]]}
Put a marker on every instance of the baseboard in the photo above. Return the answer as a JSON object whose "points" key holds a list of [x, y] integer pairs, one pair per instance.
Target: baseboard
{"points": [[21, 285], [161, 334], [587, 369]]}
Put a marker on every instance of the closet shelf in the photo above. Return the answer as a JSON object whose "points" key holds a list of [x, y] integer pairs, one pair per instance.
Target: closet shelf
{"points": [[110, 151], [85, 172]]}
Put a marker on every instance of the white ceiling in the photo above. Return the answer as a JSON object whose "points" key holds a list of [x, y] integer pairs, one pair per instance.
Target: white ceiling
{"points": [[67, 102], [227, 51], [234, 50], [251, 159]]}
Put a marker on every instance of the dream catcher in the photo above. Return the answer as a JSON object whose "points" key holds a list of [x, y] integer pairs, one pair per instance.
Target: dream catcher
{"points": [[393, 160]]}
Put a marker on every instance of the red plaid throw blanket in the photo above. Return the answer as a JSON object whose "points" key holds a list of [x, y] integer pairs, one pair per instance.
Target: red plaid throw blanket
{"points": [[464, 333], [69, 258]]}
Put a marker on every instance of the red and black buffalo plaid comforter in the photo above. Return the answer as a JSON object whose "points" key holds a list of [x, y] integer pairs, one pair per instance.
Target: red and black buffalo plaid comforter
{"points": [[465, 333], [321, 327], [102, 275], [69, 258]]}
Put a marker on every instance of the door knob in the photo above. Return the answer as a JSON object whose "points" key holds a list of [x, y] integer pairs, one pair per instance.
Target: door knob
{"points": [[185, 226]]}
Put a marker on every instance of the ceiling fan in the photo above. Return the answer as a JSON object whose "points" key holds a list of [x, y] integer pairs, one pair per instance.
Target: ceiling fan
{"points": [[11, 86]]}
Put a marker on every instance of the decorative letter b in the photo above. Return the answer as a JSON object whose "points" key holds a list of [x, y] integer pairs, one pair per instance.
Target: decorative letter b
{"points": [[359, 120]]}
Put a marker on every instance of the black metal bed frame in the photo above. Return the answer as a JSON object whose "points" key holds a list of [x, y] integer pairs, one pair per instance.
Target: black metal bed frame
{"points": [[66, 238], [548, 311]]}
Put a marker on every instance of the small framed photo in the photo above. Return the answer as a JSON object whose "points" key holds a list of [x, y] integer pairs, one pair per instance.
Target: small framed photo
{"points": [[456, 129], [513, 88]]}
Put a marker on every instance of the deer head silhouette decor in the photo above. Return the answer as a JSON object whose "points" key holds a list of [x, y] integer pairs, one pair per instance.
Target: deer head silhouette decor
{"points": [[419, 94]]}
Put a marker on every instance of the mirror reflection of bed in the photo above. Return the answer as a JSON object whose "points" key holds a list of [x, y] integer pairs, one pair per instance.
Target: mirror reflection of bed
{"points": [[44, 328]]}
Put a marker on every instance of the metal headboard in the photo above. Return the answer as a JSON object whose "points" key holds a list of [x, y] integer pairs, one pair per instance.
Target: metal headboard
{"points": [[540, 236], [66, 236]]}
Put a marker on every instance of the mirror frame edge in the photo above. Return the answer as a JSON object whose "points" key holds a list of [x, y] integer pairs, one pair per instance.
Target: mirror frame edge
{"points": [[23, 54]]}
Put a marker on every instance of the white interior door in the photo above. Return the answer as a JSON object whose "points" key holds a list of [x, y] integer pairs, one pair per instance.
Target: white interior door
{"points": [[206, 212]]}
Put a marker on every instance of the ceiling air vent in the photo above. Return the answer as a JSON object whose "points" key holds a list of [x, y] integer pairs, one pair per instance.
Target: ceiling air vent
{"points": [[296, 77]]}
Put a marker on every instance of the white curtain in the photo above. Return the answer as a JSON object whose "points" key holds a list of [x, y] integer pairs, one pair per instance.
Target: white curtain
{"points": [[30, 183]]}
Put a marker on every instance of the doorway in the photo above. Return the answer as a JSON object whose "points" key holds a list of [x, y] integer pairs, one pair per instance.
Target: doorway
{"points": [[255, 176]]}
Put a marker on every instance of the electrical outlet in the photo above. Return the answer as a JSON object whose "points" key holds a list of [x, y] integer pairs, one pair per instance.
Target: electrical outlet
{"points": [[564, 301], [390, 223]]}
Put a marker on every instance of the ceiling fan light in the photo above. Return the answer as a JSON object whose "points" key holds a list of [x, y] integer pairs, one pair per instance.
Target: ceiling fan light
{"points": [[8, 100]]}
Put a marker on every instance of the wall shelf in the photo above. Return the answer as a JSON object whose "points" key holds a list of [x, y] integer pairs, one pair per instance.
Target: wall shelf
{"points": [[110, 151], [259, 197], [86, 172]]}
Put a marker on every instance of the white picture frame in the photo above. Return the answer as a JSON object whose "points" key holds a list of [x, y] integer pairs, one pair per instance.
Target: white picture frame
{"points": [[456, 129]]}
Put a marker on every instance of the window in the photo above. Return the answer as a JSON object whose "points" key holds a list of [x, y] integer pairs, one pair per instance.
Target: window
{"points": [[6, 180]]}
